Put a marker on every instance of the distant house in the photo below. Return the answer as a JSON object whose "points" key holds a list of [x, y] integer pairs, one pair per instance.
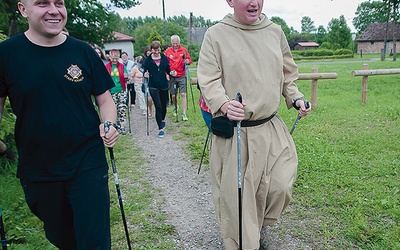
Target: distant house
{"points": [[372, 39], [197, 34], [122, 43], [306, 45]]}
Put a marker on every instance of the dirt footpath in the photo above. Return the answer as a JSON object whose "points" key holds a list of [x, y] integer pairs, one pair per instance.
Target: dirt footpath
{"points": [[188, 198]]}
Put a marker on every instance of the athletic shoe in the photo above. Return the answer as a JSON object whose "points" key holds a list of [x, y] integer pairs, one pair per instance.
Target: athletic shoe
{"points": [[184, 117], [162, 125], [175, 112], [161, 134]]}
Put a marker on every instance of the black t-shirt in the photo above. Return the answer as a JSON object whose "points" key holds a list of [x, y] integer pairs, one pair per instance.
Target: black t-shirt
{"points": [[50, 90]]}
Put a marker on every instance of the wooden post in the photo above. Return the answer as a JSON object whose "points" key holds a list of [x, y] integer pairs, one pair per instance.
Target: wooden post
{"points": [[314, 88], [364, 85]]}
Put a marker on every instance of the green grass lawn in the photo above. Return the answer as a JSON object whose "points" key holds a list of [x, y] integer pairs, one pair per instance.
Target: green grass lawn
{"points": [[347, 195]]}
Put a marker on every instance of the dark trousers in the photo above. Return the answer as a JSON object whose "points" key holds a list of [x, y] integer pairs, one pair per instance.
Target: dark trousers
{"points": [[76, 213], [160, 98], [132, 91]]}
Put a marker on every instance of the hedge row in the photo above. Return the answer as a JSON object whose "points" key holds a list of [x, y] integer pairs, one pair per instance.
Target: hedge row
{"points": [[321, 53]]}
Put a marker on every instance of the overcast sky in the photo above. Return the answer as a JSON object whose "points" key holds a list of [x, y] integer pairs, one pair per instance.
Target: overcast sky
{"points": [[320, 11]]}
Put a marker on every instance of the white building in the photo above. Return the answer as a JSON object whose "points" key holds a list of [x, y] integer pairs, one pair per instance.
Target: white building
{"points": [[123, 43]]}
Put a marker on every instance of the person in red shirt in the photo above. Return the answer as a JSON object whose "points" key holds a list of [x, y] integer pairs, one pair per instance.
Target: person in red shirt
{"points": [[179, 59]]}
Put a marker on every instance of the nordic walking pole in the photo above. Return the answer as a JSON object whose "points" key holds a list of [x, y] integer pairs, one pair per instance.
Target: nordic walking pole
{"points": [[176, 100], [204, 150], [239, 159], [187, 71], [307, 104], [2, 232], [146, 91], [107, 125], [128, 103]]}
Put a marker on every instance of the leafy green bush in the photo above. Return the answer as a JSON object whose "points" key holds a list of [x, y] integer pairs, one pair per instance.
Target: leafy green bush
{"points": [[342, 52], [323, 52], [7, 125], [2, 36], [313, 53], [326, 45]]}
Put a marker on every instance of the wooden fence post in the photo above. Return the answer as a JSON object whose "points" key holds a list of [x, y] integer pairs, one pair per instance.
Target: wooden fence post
{"points": [[314, 89], [364, 85]]}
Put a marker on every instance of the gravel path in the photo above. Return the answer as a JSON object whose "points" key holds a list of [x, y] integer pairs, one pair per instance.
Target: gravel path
{"points": [[188, 198]]}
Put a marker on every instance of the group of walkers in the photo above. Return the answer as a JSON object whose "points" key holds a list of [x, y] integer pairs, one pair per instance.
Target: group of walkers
{"points": [[164, 76], [60, 135]]}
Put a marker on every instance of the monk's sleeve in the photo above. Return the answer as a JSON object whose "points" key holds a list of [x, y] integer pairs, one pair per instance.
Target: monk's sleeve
{"points": [[290, 72], [209, 74]]}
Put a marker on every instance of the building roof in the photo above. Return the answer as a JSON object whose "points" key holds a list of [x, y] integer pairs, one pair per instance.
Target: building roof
{"points": [[119, 37], [376, 32], [308, 44]]}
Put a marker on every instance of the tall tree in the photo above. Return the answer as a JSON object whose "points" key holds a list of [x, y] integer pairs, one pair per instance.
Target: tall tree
{"points": [[143, 32], [320, 37], [394, 6], [179, 20], [339, 33], [88, 20], [125, 4], [307, 25], [369, 12], [155, 36], [184, 21], [11, 20], [283, 25]]}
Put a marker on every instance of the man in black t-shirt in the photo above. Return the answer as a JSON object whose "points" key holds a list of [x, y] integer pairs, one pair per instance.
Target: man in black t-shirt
{"points": [[60, 138]]}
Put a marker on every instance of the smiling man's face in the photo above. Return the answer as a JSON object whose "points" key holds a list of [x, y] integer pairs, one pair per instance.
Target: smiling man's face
{"points": [[45, 17]]}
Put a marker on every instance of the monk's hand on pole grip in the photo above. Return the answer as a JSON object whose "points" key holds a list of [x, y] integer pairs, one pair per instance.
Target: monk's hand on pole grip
{"points": [[306, 103]]}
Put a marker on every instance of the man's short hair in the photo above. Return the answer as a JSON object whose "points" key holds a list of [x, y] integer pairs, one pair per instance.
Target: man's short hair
{"points": [[175, 37]]}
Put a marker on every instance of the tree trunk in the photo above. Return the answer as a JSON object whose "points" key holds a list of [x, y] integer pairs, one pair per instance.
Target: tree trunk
{"points": [[13, 27]]}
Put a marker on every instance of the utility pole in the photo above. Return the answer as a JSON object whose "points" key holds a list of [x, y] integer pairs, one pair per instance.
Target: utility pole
{"points": [[190, 29], [165, 28]]}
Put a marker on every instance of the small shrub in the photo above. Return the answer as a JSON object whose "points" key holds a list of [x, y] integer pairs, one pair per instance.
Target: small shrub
{"points": [[342, 52]]}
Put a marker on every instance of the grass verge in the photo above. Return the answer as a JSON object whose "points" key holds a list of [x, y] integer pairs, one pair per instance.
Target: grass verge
{"points": [[347, 195], [146, 221]]}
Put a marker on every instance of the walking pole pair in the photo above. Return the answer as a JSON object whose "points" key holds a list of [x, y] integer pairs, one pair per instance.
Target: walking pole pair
{"points": [[204, 150], [307, 104], [2, 232], [239, 162], [187, 71], [107, 125]]}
